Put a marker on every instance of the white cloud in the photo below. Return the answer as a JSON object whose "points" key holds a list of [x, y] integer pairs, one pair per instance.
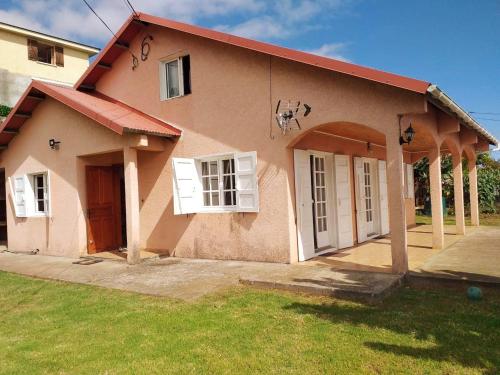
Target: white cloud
{"points": [[263, 27], [260, 19], [331, 50], [72, 19], [283, 19]]}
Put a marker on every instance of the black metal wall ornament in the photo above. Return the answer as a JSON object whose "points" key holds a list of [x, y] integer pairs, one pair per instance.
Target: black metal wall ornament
{"points": [[135, 61], [146, 47]]}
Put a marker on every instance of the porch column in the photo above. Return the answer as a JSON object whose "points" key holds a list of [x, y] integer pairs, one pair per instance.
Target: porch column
{"points": [[458, 188], [436, 198], [397, 214], [132, 204], [474, 199]]}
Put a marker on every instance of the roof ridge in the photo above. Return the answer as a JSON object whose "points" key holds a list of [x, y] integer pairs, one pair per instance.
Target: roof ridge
{"points": [[131, 27]]}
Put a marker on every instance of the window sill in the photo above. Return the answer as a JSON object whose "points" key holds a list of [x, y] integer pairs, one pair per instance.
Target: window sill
{"points": [[46, 64], [218, 210], [36, 216], [173, 98]]}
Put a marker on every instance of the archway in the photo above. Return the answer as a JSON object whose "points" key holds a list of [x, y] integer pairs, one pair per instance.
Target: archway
{"points": [[341, 192]]}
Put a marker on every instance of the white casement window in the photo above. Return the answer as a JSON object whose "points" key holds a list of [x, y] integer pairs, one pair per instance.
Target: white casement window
{"points": [[216, 183], [30, 193], [175, 77]]}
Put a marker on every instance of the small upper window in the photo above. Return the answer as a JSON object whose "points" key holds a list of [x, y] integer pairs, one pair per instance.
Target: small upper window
{"points": [[45, 53], [175, 78]]}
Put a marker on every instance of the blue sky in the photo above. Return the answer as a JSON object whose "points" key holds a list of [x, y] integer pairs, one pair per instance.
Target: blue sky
{"points": [[455, 44]]}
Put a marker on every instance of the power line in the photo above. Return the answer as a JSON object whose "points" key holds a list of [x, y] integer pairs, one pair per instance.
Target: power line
{"points": [[486, 113], [129, 5], [104, 23], [488, 119]]}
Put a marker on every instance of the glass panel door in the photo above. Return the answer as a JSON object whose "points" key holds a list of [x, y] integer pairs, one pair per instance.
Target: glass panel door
{"points": [[368, 179], [320, 201]]}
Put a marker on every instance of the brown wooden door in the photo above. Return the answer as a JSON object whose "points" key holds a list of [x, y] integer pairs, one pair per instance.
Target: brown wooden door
{"points": [[102, 204]]}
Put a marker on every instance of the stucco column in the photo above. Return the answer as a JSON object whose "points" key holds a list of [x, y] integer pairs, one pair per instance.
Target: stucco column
{"points": [[397, 214], [436, 198], [474, 198], [458, 188], [132, 204]]}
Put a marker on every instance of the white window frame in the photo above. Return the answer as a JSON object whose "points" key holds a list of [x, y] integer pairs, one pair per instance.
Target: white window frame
{"points": [[44, 188], [188, 183], [164, 95], [220, 189], [29, 194]]}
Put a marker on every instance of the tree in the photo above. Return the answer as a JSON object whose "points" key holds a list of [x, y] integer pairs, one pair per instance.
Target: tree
{"points": [[488, 181]]}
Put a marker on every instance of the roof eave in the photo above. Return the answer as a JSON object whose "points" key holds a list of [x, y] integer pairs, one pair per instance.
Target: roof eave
{"points": [[442, 98]]}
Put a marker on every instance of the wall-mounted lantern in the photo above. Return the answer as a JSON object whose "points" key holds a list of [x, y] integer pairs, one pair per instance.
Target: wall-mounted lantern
{"points": [[408, 134], [53, 144]]}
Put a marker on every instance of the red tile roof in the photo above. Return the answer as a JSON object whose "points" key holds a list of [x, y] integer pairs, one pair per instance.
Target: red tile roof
{"points": [[108, 112], [133, 26]]}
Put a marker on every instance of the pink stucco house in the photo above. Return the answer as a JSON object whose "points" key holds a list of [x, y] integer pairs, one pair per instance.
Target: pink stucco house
{"points": [[170, 141]]}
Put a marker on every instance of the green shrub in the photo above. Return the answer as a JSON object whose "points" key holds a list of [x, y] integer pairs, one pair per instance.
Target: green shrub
{"points": [[4, 110]]}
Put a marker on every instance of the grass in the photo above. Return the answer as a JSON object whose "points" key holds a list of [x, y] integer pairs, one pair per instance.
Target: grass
{"points": [[484, 219], [49, 327]]}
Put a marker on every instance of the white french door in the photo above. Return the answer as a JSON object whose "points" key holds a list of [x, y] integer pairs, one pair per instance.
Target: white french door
{"points": [[368, 197], [321, 201]]}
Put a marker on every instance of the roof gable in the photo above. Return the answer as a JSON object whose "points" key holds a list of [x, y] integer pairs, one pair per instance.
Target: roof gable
{"points": [[133, 26], [108, 112]]}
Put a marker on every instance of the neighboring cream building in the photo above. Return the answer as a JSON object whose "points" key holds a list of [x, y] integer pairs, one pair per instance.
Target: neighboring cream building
{"points": [[27, 55]]}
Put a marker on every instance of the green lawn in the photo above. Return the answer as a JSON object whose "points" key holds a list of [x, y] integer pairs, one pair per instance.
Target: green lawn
{"points": [[57, 328], [484, 219]]}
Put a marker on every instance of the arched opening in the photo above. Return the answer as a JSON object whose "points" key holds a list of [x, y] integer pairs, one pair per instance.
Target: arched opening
{"points": [[341, 195]]}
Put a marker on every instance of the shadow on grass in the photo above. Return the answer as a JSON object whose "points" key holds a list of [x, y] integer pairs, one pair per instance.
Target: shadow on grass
{"points": [[452, 328]]}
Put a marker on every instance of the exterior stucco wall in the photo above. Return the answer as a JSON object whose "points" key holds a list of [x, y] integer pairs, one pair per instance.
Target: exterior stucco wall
{"points": [[232, 109], [16, 70], [64, 233]]}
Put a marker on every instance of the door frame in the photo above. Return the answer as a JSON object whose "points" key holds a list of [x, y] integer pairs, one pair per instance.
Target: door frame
{"points": [[332, 222], [117, 208], [375, 199]]}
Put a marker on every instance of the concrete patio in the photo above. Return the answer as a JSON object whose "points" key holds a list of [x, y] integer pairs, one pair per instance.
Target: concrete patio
{"points": [[189, 279], [475, 257], [375, 255]]}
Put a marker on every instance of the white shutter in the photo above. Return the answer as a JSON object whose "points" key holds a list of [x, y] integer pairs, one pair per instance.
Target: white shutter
{"points": [[410, 183], [187, 195], [303, 205], [359, 185], [344, 209], [247, 191], [384, 203], [18, 193]]}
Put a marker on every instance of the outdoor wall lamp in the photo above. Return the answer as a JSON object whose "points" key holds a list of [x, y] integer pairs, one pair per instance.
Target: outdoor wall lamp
{"points": [[408, 134], [53, 144]]}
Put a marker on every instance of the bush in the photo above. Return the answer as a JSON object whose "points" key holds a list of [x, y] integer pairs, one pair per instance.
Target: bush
{"points": [[4, 110]]}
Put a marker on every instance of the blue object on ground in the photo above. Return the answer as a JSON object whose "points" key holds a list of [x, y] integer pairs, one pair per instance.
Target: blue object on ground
{"points": [[474, 293]]}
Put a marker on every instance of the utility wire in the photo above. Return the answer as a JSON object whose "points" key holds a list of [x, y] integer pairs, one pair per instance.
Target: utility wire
{"points": [[134, 58], [486, 113], [104, 23], [488, 119], [129, 4]]}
